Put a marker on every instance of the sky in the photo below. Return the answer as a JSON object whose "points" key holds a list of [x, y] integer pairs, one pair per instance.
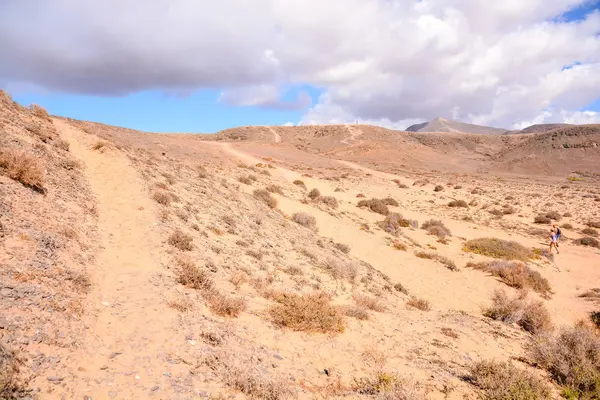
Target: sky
{"points": [[200, 66]]}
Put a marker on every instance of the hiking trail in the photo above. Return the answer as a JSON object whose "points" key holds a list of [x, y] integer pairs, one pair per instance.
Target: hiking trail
{"points": [[130, 329]]}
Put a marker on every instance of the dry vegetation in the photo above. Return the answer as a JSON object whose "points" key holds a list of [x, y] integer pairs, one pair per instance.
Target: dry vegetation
{"points": [[515, 274], [23, 167], [498, 248], [309, 312], [504, 381], [531, 316]]}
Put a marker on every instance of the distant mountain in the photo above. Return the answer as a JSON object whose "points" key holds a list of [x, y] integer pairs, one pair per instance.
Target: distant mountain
{"points": [[539, 128], [447, 125]]}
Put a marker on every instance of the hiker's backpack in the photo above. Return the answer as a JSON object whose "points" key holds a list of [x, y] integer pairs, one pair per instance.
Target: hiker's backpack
{"points": [[558, 232]]}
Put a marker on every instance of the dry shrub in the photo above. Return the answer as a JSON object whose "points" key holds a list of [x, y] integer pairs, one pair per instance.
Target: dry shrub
{"points": [[393, 222], [516, 274], [388, 201], [340, 269], [438, 188], [503, 381], [245, 375], [567, 226], [428, 255], [369, 302], [436, 228], [188, 274], [458, 203], [245, 180], [541, 219], [419, 304], [553, 215], [307, 221], [24, 168], [420, 182], [344, 248], [590, 232], [40, 112], [531, 316], [300, 183], [181, 240], [498, 248], [595, 317], [10, 385], [62, 144], [274, 189], [400, 288], [588, 241], [399, 246], [402, 186], [309, 312], [223, 305], [593, 224], [387, 386], [572, 357], [161, 197], [314, 194], [330, 201], [357, 312], [99, 145], [375, 205], [266, 197]]}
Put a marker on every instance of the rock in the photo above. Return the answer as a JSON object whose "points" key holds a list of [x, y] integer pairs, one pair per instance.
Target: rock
{"points": [[104, 367], [87, 398], [112, 394], [277, 356], [55, 379], [114, 354], [203, 394], [6, 292], [3, 323], [154, 388]]}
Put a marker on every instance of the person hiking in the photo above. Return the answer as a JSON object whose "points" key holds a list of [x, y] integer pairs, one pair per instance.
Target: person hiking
{"points": [[557, 232], [553, 239]]}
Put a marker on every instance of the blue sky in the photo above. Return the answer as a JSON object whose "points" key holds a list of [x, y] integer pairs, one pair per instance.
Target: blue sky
{"points": [[311, 48], [155, 111]]}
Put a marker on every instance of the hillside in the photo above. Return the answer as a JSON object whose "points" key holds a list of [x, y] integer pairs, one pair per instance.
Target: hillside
{"points": [[447, 125], [310, 262]]}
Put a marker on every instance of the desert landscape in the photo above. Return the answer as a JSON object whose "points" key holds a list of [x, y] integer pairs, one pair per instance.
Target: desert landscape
{"points": [[305, 262]]}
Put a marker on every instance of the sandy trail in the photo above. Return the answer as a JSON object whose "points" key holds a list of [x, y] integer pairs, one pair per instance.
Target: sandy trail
{"points": [[276, 135], [129, 326], [354, 133]]}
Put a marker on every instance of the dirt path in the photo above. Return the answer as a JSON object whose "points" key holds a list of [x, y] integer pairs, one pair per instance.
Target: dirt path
{"points": [[354, 133], [275, 134], [129, 328]]}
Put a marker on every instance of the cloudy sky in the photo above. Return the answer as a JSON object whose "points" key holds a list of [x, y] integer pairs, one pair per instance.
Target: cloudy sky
{"points": [[194, 65]]}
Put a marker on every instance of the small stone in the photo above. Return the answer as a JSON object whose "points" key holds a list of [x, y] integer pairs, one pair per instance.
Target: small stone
{"points": [[112, 394], [277, 356], [55, 379], [274, 365], [104, 367], [87, 398], [203, 394], [114, 354], [154, 388], [292, 379], [167, 374], [6, 292]]}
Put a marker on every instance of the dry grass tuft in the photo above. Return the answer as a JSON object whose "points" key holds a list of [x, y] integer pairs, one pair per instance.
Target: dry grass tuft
{"points": [[588, 241], [515, 274], [503, 381], [458, 203], [387, 386], [393, 222], [340, 269], [436, 228], [419, 304], [307, 221], [438, 188], [24, 168], [181, 240], [357, 312], [400, 288], [314, 194], [223, 305], [532, 317], [329, 201], [371, 303], [275, 189], [589, 232], [308, 312], [162, 197], [498, 248], [593, 224], [300, 183], [388, 201], [188, 274], [266, 197], [572, 357], [344, 248], [541, 219], [375, 205]]}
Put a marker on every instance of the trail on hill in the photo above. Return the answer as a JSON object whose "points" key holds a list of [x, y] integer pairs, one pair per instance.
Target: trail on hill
{"points": [[354, 134], [130, 329], [276, 135]]}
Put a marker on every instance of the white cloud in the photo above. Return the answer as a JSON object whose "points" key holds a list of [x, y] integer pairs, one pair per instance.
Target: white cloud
{"points": [[389, 62]]}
